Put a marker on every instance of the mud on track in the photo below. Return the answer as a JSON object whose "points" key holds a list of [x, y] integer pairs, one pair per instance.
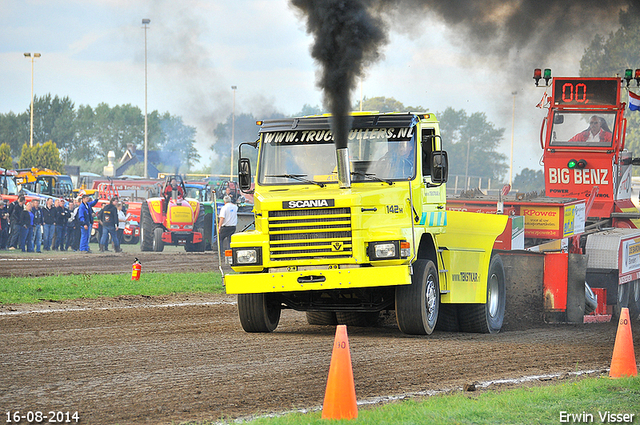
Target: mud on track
{"points": [[185, 358], [68, 262]]}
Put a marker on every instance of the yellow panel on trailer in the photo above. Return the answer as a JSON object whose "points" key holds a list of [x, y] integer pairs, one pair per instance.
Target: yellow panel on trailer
{"points": [[466, 248]]}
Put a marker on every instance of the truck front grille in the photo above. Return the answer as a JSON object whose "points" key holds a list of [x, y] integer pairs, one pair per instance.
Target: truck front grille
{"points": [[322, 233]]}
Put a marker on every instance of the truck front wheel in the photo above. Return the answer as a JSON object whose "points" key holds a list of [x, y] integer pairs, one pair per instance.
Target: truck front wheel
{"points": [[487, 317], [418, 304], [258, 312]]}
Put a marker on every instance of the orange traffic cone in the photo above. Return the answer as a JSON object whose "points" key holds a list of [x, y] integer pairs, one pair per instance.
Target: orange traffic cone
{"points": [[340, 395], [623, 362]]}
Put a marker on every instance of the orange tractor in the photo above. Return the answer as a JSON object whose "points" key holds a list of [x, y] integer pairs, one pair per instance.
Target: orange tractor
{"points": [[172, 219]]}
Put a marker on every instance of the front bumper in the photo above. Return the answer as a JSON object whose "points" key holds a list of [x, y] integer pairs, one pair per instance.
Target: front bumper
{"points": [[317, 280], [181, 237]]}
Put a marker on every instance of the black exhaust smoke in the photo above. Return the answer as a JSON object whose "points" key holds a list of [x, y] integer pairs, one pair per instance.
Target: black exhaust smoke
{"points": [[347, 37]]}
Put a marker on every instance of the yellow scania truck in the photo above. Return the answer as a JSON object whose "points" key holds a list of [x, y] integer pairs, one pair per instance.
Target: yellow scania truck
{"points": [[346, 233]]}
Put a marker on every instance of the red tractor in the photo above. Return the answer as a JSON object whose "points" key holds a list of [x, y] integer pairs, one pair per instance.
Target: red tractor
{"points": [[172, 219]]}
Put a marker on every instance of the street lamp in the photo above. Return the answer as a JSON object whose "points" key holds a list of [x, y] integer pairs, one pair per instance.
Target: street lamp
{"points": [[145, 22], [233, 130], [33, 58], [513, 124]]}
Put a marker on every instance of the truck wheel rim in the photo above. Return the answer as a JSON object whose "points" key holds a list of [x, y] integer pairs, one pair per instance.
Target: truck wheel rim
{"points": [[493, 295], [430, 297]]}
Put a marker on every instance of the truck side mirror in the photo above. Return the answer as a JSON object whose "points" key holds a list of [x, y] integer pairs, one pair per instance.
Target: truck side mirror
{"points": [[439, 167], [244, 174]]}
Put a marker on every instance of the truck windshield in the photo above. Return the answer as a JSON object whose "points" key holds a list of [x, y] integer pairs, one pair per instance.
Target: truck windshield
{"points": [[386, 153], [582, 129]]}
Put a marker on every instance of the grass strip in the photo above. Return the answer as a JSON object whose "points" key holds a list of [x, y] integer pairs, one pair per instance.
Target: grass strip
{"points": [[590, 399], [14, 290]]}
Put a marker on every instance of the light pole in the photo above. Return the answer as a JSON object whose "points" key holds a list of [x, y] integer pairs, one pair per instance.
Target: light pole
{"points": [[33, 58], [513, 124], [233, 130], [145, 22]]}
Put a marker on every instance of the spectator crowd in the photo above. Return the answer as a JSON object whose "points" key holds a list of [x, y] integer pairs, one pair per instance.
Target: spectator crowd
{"points": [[58, 225]]}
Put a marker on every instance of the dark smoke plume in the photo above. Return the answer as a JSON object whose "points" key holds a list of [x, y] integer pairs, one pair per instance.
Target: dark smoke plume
{"points": [[496, 27], [347, 37], [518, 33]]}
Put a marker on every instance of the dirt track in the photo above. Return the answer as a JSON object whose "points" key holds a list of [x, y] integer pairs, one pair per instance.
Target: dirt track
{"points": [[185, 358]]}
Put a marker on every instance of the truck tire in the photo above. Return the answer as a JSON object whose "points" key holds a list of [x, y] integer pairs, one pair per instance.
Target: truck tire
{"points": [[351, 318], [258, 312], [146, 228], [487, 317], [448, 318], [321, 318], [158, 244], [418, 304], [628, 296]]}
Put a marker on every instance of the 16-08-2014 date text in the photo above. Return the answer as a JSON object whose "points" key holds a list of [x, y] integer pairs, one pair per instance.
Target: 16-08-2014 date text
{"points": [[42, 417]]}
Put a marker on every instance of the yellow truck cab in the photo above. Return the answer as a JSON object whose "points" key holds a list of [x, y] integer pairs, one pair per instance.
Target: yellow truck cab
{"points": [[346, 235]]}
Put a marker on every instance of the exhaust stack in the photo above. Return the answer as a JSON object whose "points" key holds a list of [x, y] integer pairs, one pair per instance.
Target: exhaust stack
{"points": [[344, 168]]}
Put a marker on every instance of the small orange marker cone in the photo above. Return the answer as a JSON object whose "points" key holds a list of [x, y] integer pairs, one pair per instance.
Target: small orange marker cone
{"points": [[623, 362], [340, 395]]}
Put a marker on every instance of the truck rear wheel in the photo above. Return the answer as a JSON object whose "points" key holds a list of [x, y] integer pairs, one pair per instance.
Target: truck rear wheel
{"points": [[321, 318], [418, 304], [354, 318], [158, 244], [146, 228], [258, 312], [628, 296], [487, 317], [634, 299]]}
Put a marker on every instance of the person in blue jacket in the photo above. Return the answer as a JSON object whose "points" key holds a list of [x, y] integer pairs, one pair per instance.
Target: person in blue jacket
{"points": [[85, 217]]}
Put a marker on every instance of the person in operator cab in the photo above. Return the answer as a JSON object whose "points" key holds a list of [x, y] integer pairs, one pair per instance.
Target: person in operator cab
{"points": [[173, 185], [597, 132], [398, 162]]}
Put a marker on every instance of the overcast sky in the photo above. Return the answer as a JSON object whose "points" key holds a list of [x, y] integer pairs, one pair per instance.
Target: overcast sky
{"points": [[93, 52]]}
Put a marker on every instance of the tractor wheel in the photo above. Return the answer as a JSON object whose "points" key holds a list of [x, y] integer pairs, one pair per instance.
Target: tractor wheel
{"points": [[487, 317], [128, 239], [208, 227], [321, 318], [197, 227], [258, 312], [147, 227], [158, 244], [418, 304], [365, 320]]}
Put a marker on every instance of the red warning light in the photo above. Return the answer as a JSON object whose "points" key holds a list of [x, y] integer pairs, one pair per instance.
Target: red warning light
{"points": [[537, 75]]}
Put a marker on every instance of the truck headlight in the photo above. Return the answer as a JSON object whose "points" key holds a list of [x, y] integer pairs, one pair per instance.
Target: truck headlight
{"points": [[246, 256], [385, 250]]}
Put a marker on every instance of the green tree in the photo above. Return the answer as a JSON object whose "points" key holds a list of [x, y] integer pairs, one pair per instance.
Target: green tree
{"points": [[53, 120], [28, 156], [529, 180], [471, 143], [178, 140], [309, 110], [611, 55], [41, 156], [246, 130], [14, 130], [6, 161], [384, 104]]}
